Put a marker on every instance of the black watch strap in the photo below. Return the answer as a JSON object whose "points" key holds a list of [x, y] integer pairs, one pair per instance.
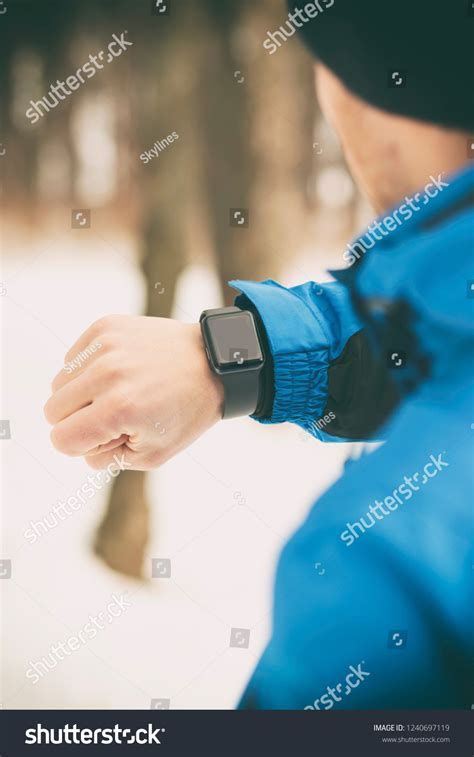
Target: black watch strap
{"points": [[266, 390], [240, 393]]}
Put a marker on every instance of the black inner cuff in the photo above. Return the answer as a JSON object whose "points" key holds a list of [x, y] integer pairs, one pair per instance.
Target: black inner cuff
{"points": [[266, 390]]}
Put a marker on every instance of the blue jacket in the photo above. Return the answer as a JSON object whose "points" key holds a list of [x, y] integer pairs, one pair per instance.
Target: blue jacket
{"points": [[385, 619]]}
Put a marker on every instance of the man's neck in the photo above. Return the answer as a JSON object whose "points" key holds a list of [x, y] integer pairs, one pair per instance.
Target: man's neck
{"points": [[424, 152]]}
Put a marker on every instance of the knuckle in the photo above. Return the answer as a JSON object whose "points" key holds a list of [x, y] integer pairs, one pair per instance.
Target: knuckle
{"points": [[101, 325], [106, 342], [106, 323], [110, 368]]}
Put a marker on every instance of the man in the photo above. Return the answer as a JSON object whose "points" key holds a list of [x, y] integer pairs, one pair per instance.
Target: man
{"points": [[383, 352]]}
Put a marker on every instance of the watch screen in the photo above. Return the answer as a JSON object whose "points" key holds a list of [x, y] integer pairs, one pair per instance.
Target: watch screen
{"points": [[235, 340]]}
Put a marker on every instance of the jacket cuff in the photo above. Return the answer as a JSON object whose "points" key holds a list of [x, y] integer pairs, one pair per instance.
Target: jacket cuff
{"points": [[299, 347]]}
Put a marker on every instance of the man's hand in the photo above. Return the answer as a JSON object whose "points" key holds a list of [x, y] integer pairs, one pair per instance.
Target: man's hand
{"points": [[133, 385]]}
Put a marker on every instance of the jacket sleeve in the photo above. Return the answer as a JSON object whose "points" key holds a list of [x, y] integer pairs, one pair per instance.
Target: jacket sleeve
{"points": [[321, 371]]}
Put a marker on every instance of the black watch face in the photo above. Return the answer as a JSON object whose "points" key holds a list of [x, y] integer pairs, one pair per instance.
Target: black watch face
{"points": [[234, 340]]}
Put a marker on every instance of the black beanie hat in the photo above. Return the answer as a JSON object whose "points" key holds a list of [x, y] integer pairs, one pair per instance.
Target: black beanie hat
{"points": [[411, 57]]}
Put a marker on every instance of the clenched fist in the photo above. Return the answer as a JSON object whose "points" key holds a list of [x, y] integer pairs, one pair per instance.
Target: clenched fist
{"points": [[137, 386]]}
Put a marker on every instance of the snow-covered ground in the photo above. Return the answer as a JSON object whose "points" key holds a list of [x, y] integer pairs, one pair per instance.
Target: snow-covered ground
{"points": [[221, 510]]}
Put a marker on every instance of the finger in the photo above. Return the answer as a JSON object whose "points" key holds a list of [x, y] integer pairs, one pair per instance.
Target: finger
{"points": [[89, 336], [69, 399], [113, 444], [125, 456], [89, 428], [76, 365]]}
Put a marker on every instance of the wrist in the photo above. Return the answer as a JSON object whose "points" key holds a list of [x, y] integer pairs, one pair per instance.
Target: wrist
{"points": [[208, 380]]}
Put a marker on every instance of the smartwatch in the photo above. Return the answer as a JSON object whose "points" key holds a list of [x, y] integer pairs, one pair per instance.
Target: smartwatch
{"points": [[235, 354]]}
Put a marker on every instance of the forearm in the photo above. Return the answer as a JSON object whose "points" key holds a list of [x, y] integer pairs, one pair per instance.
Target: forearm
{"points": [[321, 372]]}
